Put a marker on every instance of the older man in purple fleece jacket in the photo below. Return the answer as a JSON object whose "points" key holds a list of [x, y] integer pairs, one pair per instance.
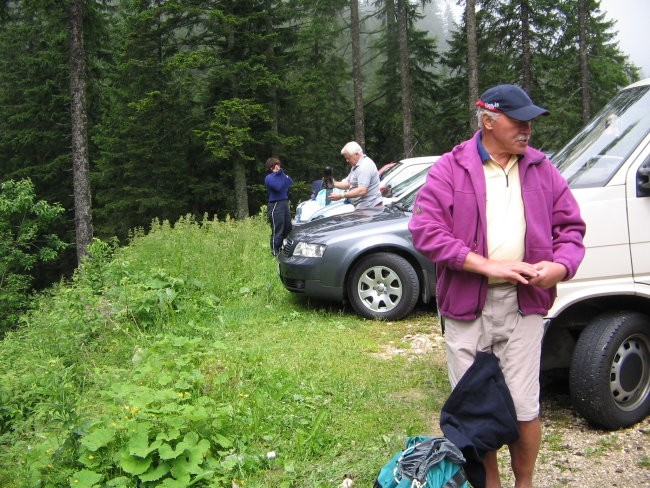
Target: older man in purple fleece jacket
{"points": [[502, 226]]}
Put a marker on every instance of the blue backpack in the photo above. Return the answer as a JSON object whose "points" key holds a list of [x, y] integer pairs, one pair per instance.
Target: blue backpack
{"points": [[425, 462]]}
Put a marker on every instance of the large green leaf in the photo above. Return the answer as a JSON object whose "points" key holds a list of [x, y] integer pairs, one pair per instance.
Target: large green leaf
{"points": [[98, 438], [194, 451], [139, 442], [168, 452], [119, 482], [85, 479], [132, 464], [156, 473], [183, 482], [168, 435], [222, 440]]}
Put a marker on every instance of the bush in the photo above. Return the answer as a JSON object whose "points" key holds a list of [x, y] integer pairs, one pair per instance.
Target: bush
{"points": [[24, 243]]}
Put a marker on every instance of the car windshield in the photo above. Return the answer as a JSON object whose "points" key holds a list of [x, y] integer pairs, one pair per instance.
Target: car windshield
{"points": [[403, 185], [390, 170], [406, 202], [592, 157]]}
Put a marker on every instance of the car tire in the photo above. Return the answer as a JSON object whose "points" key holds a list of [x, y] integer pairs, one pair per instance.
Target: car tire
{"points": [[383, 286], [609, 379]]}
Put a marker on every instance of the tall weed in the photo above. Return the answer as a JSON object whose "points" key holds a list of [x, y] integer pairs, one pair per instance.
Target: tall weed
{"points": [[180, 360]]}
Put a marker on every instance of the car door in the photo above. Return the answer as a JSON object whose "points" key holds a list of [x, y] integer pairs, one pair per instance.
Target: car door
{"points": [[638, 208]]}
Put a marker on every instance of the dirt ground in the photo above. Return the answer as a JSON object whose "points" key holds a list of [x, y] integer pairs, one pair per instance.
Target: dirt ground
{"points": [[576, 454], [573, 453]]}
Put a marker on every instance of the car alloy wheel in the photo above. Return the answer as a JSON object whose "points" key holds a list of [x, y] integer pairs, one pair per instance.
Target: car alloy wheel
{"points": [[383, 285]]}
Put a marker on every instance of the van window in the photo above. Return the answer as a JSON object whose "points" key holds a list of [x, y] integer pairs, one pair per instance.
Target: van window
{"points": [[592, 157]]}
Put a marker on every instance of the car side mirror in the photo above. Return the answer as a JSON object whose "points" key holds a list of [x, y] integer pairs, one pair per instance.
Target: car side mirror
{"points": [[643, 179]]}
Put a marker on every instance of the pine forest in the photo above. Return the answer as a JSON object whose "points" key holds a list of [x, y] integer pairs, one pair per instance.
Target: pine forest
{"points": [[124, 111]]}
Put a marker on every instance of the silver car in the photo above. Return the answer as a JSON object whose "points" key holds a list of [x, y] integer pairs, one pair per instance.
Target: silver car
{"points": [[395, 185]]}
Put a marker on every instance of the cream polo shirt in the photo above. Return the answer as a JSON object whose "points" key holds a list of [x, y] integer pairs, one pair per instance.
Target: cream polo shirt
{"points": [[506, 223]]}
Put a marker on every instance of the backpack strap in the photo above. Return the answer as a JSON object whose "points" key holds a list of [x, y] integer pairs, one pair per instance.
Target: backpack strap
{"points": [[457, 480]]}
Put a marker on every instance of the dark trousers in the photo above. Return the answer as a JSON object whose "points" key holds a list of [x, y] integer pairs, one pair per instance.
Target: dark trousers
{"points": [[280, 223]]}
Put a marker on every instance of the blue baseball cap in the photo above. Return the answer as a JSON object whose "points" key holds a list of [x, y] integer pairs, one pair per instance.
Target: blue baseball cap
{"points": [[512, 101]]}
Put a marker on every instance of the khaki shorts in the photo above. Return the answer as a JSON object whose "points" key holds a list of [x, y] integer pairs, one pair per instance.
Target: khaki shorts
{"points": [[516, 340]]}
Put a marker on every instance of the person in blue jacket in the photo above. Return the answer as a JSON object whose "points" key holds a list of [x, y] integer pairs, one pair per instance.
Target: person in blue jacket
{"points": [[277, 184]]}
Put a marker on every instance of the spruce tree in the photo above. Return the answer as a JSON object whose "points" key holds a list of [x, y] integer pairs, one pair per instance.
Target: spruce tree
{"points": [[553, 69], [146, 144]]}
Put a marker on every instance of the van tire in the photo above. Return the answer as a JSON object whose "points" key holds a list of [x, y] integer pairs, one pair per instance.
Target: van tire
{"points": [[383, 286], [609, 379]]}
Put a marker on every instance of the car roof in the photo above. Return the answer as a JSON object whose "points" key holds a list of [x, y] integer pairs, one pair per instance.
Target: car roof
{"points": [[404, 165], [419, 160], [643, 82]]}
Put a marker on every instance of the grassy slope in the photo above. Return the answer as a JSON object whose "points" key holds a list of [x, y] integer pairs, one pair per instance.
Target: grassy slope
{"points": [[193, 317]]}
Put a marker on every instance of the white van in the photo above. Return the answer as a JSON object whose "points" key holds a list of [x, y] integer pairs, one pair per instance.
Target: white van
{"points": [[599, 327]]}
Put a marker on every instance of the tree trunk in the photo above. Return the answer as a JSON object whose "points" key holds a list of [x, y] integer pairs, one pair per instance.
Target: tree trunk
{"points": [[405, 77], [239, 166], [359, 125], [241, 195], [472, 63], [79, 136], [525, 46], [584, 67], [273, 89], [392, 54]]}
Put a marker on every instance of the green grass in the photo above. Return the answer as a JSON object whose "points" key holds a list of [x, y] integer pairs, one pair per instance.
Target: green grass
{"points": [[181, 359]]}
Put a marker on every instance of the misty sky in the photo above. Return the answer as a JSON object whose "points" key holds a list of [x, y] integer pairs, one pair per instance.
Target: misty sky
{"points": [[632, 17], [632, 24]]}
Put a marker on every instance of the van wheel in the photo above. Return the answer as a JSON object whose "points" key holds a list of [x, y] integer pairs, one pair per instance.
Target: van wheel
{"points": [[609, 378], [383, 286]]}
